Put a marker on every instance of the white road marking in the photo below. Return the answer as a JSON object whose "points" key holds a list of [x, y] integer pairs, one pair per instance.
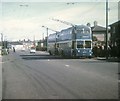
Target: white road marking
{"points": [[67, 65], [4, 61]]}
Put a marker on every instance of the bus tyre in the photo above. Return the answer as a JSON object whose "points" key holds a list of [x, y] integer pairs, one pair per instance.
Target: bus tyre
{"points": [[73, 54], [56, 52], [50, 53], [62, 53], [89, 57]]}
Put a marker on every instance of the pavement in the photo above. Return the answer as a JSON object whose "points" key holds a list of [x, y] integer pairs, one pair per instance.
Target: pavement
{"points": [[110, 59], [0, 77]]}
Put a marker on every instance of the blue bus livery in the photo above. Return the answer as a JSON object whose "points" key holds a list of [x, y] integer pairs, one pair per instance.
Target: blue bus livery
{"points": [[74, 41]]}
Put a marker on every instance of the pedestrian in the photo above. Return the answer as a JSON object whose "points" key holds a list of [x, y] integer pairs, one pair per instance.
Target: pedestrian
{"points": [[95, 50], [8, 50], [13, 49]]}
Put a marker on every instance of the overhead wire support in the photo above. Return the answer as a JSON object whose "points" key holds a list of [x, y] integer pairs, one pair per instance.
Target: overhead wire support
{"points": [[47, 35], [2, 40], [106, 30]]}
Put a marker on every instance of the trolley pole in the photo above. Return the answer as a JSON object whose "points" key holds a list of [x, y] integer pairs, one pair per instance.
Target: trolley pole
{"points": [[106, 29]]}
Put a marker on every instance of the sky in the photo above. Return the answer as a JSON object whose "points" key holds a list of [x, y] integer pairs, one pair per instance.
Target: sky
{"points": [[23, 19]]}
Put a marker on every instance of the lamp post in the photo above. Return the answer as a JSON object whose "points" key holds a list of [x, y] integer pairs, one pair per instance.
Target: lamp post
{"points": [[106, 29], [2, 40], [47, 37]]}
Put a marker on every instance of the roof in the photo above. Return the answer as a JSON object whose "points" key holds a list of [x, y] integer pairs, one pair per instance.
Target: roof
{"points": [[118, 22], [98, 28]]}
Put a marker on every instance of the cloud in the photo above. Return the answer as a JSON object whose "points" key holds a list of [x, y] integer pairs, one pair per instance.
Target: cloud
{"points": [[19, 28]]}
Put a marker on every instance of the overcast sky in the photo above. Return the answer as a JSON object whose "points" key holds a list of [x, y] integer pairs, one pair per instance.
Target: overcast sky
{"points": [[22, 19]]}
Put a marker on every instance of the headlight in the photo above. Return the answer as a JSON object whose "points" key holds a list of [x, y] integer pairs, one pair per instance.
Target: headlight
{"points": [[90, 51], [78, 50]]}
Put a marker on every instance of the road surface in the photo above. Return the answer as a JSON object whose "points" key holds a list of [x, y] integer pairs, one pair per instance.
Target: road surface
{"points": [[40, 76]]}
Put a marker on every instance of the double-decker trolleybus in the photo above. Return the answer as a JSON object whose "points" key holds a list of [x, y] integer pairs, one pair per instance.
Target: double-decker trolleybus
{"points": [[74, 41]]}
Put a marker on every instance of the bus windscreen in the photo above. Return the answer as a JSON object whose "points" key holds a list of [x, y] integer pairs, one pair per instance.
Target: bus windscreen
{"points": [[87, 44], [80, 44]]}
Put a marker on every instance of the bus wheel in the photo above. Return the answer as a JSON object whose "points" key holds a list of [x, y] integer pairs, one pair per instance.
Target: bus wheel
{"points": [[73, 55], [56, 52], [50, 53], [89, 57], [62, 53]]}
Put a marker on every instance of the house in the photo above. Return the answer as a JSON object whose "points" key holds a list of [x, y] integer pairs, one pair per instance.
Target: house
{"points": [[99, 32], [115, 32], [115, 36]]}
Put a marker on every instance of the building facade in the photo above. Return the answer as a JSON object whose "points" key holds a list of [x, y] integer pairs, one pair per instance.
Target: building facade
{"points": [[115, 32], [115, 37]]}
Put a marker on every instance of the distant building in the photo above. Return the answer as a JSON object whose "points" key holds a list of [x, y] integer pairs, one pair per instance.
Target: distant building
{"points": [[99, 32], [16, 45], [22, 44], [115, 32], [115, 36]]}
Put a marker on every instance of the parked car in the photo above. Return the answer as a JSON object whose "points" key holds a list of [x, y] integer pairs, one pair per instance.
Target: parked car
{"points": [[32, 50], [23, 49]]}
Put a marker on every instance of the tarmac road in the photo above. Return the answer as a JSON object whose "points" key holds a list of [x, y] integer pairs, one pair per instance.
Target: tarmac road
{"points": [[40, 76]]}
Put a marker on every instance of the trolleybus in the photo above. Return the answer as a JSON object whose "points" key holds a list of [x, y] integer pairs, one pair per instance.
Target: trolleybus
{"points": [[74, 41]]}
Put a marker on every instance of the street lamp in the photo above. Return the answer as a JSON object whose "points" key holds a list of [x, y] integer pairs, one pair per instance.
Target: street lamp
{"points": [[46, 29], [106, 29], [55, 36], [47, 36], [2, 40]]}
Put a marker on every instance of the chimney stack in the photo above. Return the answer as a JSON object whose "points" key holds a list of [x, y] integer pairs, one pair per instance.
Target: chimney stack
{"points": [[95, 23]]}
